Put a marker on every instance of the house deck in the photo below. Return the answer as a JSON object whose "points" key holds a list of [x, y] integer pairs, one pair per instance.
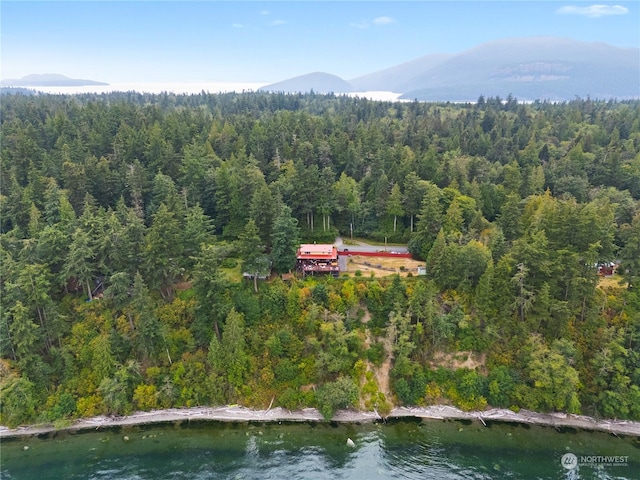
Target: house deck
{"points": [[318, 258]]}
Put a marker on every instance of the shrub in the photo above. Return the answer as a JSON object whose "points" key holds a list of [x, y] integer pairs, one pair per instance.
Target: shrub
{"points": [[342, 393], [411, 390], [18, 402], [292, 399], [145, 397], [375, 354], [65, 406], [229, 263]]}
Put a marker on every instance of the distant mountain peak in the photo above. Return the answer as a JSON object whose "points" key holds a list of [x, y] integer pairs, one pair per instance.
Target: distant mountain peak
{"points": [[318, 82], [48, 80]]}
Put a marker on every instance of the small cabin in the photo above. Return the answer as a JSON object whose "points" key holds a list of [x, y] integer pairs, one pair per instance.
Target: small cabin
{"points": [[313, 258], [606, 269]]}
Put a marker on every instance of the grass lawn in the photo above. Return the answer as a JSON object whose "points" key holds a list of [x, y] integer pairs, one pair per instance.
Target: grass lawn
{"points": [[612, 282], [370, 241], [234, 274]]}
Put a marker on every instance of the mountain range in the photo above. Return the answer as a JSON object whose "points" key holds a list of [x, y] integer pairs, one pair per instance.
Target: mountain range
{"points": [[48, 80], [528, 68]]}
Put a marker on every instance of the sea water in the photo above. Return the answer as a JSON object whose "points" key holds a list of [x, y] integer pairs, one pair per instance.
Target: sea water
{"points": [[413, 449], [190, 88]]}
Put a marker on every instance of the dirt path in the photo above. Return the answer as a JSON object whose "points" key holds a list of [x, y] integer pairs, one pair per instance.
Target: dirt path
{"points": [[369, 366], [382, 373], [366, 318]]}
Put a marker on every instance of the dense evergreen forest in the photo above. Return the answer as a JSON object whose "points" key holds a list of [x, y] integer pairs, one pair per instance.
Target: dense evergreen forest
{"points": [[126, 220]]}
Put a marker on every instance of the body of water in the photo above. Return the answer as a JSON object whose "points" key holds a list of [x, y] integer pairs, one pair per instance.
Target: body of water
{"points": [[189, 88], [403, 449]]}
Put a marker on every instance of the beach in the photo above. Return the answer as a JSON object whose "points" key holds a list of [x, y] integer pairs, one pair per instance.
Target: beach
{"points": [[234, 413]]}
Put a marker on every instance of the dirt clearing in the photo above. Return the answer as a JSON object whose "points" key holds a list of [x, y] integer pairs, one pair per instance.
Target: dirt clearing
{"points": [[382, 266]]}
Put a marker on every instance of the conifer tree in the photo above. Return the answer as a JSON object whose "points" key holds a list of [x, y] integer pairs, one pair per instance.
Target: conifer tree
{"points": [[285, 240]]}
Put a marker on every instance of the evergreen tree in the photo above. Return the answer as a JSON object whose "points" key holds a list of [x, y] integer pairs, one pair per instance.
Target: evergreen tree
{"points": [[347, 198], [209, 285], [19, 401], [630, 253], [414, 191], [198, 230], [429, 222], [149, 332], [509, 218], [263, 211], [251, 251], [80, 261], [228, 358], [394, 205], [162, 251], [285, 241]]}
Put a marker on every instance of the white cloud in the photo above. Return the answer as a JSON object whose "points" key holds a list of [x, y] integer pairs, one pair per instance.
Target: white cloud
{"points": [[237, 25], [594, 11], [378, 22], [265, 12], [276, 23], [361, 25], [383, 21]]}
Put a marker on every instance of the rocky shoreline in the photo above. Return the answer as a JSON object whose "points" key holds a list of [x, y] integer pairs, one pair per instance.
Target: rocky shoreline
{"points": [[233, 413]]}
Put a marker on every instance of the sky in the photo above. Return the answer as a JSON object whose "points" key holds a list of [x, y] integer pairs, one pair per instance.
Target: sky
{"points": [[251, 41]]}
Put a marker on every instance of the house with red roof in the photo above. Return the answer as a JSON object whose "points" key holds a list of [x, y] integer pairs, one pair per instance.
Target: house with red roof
{"points": [[313, 258]]}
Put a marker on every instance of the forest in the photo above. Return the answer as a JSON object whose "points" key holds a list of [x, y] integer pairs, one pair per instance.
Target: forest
{"points": [[127, 219]]}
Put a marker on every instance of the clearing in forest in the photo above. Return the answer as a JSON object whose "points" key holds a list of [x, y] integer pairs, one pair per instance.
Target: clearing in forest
{"points": [[382, 266]]}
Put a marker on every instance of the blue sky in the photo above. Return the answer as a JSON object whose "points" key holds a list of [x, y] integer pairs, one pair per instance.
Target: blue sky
{"points": [[245, 41]]}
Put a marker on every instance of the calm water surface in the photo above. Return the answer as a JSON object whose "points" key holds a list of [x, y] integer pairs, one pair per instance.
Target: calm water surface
{"points": [[403, 449]]}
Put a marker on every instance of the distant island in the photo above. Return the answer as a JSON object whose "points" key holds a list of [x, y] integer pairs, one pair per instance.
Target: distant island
{"points": [[319, 82], [528, 68], [48, 80]]}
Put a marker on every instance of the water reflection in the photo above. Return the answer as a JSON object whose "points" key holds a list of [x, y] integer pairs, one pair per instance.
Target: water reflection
{"points": [[406, 449]]}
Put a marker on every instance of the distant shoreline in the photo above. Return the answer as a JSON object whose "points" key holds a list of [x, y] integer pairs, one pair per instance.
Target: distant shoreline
{"points": [[186, 88], [241, 414]]}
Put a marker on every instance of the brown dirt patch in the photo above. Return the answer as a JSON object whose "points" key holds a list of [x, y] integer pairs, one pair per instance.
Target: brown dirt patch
{"points": [[465, 359], [382, 266], [382, 373], [183, 285]]}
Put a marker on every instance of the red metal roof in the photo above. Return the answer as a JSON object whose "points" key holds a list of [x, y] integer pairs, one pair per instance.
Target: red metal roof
{"points": [[310, 251]]}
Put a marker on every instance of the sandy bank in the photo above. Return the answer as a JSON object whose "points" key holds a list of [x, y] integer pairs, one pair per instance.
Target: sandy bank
{"points": [[241, 414]]}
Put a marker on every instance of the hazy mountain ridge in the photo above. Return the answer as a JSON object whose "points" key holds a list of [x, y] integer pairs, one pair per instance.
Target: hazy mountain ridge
{"points": [[48, 80], [529, 68], [319, 82], [391, 79]]}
